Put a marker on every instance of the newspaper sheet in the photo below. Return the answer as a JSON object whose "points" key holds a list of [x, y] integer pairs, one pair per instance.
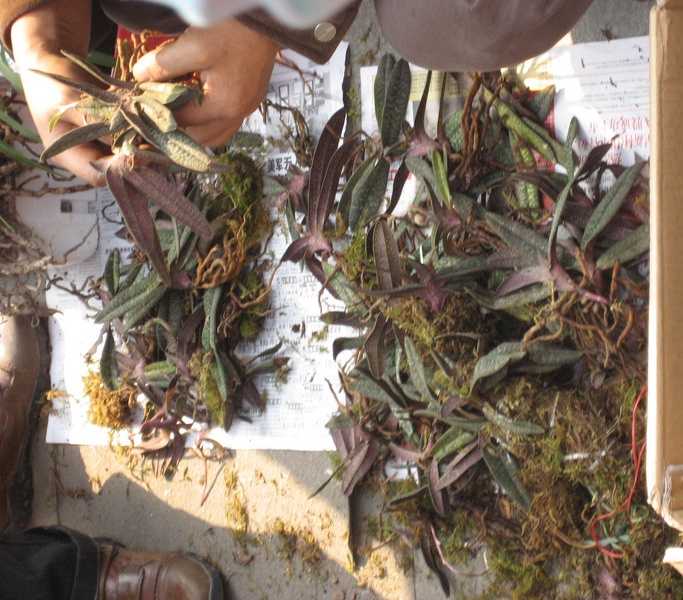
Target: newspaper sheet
{"points": [[298, 408]]}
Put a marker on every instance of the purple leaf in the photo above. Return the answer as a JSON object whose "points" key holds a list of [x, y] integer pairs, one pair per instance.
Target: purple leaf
{"points": [[135, 212], [167, 196]]}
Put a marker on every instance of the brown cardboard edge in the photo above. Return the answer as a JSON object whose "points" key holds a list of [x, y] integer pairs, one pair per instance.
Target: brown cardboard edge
{"points": [[659, 473]]}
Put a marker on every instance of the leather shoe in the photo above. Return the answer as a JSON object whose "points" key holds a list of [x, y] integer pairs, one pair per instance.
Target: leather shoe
{"points": [[136, 575], [19, 363]]}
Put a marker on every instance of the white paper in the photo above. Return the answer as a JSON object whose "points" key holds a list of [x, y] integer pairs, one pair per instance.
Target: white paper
{"points": [[605, 85]]}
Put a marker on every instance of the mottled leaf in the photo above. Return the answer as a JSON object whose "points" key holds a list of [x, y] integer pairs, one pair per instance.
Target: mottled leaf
{"points": [[451, 441], [395, 102], [367, 196], [135, 212], [130, 298], [384, 69], [109, 368], [502, 467], [387, 259], [609, 205], [166, 195], [511, 425], [463, 462], [627, 249], [417, 370], [75, 137], [496, 360], [375, 347], [548, 354]]}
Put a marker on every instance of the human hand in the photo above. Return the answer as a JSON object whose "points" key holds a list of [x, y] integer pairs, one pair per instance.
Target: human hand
{"points": [[38, 37], [235, 64]]}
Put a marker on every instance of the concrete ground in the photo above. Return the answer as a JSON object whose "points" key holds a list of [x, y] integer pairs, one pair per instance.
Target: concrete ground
{"points": [[257, 522]]}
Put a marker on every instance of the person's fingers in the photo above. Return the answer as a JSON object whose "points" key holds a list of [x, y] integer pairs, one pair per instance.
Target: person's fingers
{"points": [[234, 63], [179, 57]]}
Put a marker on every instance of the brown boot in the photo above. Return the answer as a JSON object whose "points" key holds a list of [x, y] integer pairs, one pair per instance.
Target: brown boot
{"points": [[19, 362], [135, 575]]}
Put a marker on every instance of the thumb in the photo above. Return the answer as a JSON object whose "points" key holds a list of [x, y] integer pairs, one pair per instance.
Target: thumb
{"points": [[173, 59]]}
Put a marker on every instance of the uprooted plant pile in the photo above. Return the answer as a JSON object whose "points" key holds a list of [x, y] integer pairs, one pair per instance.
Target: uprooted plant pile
{"points": [[499, 353], [175, 311]]}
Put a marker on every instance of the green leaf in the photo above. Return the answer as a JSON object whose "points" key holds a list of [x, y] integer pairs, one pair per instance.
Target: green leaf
{"points": [[417, 370], [75, 137], [511, 425], [18, 127], [553, 355], [367, 196], [627, 249], [112, 271], [8, 72], [503, 468], [109, 368], [384, 68], [557, 215], [138, 294], [452, 441], [609, 205], [439, 164], [496, 360], [395, 103], [14, 154]]}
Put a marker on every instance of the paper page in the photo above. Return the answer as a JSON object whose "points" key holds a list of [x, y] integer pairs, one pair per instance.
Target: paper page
{"points": [[298, 408], [605, 85]]}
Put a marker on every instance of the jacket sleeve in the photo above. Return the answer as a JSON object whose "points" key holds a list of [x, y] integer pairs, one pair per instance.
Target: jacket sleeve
{"points": [[10, 11], [318, 43]]}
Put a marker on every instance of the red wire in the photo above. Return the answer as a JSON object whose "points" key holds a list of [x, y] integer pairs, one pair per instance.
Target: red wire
{"points": [[626, 504]]}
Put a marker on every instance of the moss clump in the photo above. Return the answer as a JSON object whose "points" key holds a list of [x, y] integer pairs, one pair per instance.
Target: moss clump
{"points": [[298, 542], [241, 188], [236, 513], [108, 409], [207, 387]]}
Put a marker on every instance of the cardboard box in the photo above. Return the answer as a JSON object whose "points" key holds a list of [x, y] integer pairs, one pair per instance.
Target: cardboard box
{"points": [[664, 463]]}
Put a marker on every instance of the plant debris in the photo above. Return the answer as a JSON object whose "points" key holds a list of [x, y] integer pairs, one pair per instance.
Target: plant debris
{"points": [[498, 349]]}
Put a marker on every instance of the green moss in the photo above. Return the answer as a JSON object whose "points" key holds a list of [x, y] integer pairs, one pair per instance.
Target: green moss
{"points": [[241, 187]]}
